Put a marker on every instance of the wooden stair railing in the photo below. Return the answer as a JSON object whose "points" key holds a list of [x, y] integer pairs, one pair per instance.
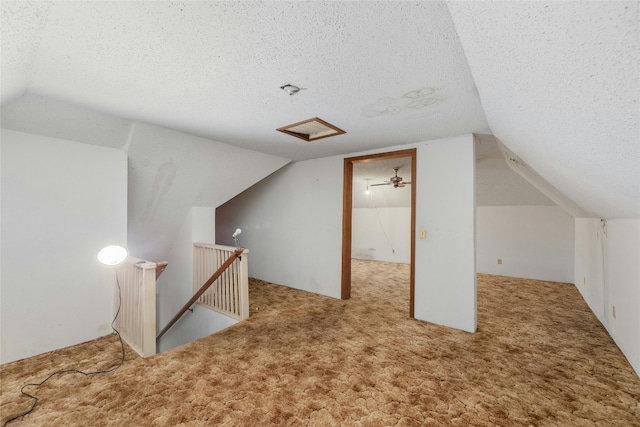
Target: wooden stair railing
{"points": [[160, 267], [202, 290]]}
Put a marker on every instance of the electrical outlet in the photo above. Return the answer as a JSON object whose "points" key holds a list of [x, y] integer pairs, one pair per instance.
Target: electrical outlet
{"points": [[613, 311], [499, 260]]}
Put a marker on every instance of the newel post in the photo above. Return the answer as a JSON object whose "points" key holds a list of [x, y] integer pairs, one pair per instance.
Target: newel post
{"points": [[148, 297], [244, 285]]}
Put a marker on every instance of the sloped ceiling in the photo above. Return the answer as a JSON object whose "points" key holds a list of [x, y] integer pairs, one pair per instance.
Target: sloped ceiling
{"points": [[497, 184], [558, 81]]}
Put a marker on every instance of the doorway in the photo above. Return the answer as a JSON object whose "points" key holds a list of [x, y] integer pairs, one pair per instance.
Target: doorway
{"points": [[347, 218]]}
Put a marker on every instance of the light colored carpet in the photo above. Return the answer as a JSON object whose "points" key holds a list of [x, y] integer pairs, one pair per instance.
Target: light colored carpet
{"points": [[539, 358]]}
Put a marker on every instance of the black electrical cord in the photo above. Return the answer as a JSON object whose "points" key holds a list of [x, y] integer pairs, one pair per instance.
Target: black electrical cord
{"points": [[74, 371]]}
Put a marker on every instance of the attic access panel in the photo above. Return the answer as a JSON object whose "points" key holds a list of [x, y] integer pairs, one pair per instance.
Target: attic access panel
{"points": [[311, 129]]}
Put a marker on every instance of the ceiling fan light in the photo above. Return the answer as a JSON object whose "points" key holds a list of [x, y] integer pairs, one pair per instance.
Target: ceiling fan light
{"points": [[396, 181]]}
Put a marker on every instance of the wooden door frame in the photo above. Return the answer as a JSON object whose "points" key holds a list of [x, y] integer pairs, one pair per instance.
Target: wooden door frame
{"points": [[347, 213]]}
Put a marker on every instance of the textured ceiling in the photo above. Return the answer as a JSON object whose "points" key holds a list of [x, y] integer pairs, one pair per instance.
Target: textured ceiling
{"points": [[388, 73], [559, 82]]}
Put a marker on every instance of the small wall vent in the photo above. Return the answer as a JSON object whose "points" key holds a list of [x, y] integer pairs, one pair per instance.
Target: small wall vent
{"points": [[311, 129]]}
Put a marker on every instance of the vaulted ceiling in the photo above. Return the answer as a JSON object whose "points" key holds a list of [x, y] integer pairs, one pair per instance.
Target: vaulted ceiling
{"points": [[556, 82]]}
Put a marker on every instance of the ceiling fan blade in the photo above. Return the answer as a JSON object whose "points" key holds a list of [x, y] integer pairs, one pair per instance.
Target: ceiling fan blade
{"points": [[375, 185], [406, 182]]}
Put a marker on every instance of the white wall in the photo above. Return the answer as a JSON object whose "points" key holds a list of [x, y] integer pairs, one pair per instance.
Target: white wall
{"points": [[175, 286], [612, 246], [62, 202], [589, 264], [170, 172], [383, 195], [292, 224], [623, 286], [534, 242], [445, 289], [381, 234]]}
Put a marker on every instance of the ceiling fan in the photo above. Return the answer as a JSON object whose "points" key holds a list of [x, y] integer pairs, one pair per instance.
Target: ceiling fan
{"points": [[396, 180]]}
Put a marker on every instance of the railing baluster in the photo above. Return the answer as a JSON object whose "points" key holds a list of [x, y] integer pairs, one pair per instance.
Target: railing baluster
{"points": [[226, 294], [223, 288], [136, 319], [236, 300], [214, 277]]}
